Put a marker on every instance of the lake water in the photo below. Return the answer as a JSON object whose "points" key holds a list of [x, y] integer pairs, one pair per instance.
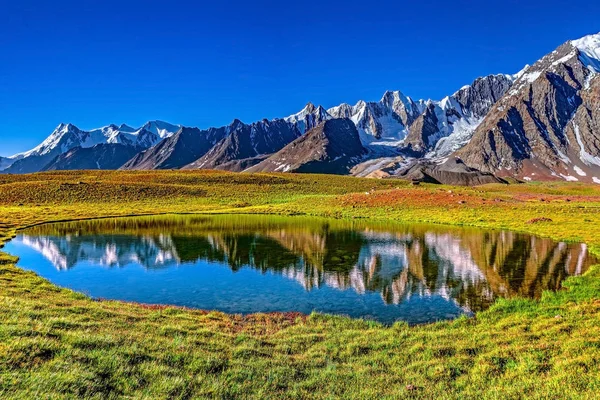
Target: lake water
{"points": [[246, 264]]}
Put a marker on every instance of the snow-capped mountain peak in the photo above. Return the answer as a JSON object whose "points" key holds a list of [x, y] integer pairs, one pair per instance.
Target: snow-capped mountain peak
{"points": [[589, 51], [126, 128], [519, 74], [110, 132], [51, 142], [344, 110], [62, 127], [309, 117], [67, 136], [449, 103], [394, 98], [161, 128], [308, 109]]}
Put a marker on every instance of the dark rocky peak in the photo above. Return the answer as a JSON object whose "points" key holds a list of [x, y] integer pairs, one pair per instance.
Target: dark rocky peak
{"points": [[477, 99], [333, 146]]}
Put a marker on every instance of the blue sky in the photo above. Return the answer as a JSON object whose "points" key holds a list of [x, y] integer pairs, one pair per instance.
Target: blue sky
{"points": [[98, 62]]}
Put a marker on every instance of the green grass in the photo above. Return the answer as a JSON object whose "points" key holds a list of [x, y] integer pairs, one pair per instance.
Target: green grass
{"points": [[55, 343]]}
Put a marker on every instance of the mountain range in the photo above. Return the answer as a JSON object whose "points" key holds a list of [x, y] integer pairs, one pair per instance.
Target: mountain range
{"points": [[542, 123]]}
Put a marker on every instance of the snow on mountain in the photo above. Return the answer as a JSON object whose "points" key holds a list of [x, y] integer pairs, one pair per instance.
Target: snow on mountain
{"points": [[160, 128], [462, 131], [146, 136], [400, 103], [64, 137], [309, 117], [435, 128], [589, 51], [459, 115], [545, 127], [126, 128], [376, 122], [382, 123], [68, 136], [447, 125]]}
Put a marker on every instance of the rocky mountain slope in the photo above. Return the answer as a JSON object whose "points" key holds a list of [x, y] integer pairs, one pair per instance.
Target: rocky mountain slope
{"points": [[447, 125], [100, 156], [5, 162], [178, 150], [246, 145], [548, 124], [331, 147]]}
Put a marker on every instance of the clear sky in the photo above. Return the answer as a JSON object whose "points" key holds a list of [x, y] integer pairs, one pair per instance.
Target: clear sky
{"points": [[204, 63]]}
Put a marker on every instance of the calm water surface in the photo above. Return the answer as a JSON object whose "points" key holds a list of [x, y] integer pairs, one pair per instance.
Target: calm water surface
{"points": [[247, 264]]}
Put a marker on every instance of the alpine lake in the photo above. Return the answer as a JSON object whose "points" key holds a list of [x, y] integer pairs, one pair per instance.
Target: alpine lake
{"points": [[258, 264]]}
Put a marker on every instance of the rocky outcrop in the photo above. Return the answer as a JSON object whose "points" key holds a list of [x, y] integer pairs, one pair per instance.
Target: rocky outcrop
{"points": [[247, 145], [425, 132], [331, 147], [452, 172], [476, 99]]}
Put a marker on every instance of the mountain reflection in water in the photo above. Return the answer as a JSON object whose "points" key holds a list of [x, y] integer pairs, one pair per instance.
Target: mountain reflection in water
{"points": [[469, 267]]}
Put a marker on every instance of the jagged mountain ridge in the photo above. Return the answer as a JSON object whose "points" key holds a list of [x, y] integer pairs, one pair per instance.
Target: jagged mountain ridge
{"points": [[332, 147], [547, 126], [446, 126], [382, 125], [541, 123], [246, 145], [67, 136], [176, 151]]}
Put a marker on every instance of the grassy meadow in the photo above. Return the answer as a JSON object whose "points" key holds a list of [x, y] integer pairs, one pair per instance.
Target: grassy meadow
{"points": [[55, 343]]}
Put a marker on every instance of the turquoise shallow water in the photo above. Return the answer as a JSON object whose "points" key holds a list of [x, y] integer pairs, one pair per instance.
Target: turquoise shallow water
{"points": [[247, 264]]}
